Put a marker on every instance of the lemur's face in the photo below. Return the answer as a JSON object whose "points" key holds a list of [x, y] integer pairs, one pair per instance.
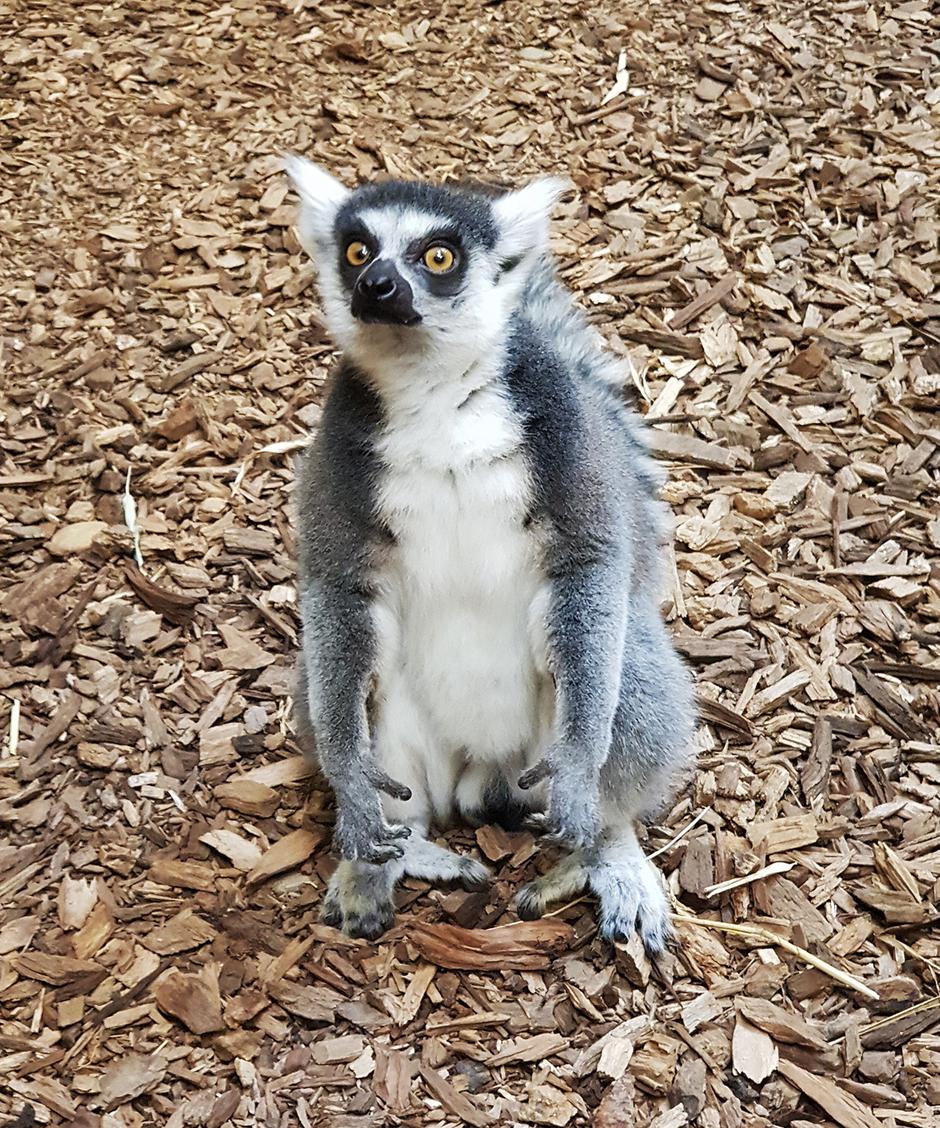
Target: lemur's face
{"points": [[410, 255], [406, 266]]}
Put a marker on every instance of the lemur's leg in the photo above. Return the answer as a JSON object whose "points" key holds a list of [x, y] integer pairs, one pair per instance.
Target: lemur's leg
{"points": [[651, 754], [650, 751], [628, 888], [334, 674], [429, 862], [360, 896]]}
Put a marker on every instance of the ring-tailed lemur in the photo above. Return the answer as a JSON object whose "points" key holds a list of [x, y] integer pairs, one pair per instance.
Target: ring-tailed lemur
{"points": [[480, 559]]}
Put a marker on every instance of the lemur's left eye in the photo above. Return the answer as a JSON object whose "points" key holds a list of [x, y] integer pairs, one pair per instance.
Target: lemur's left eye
{"points": [[357, 253], [439, 259]]}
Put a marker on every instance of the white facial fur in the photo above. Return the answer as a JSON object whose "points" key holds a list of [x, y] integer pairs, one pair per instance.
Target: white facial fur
{"points": [[454, 332]]}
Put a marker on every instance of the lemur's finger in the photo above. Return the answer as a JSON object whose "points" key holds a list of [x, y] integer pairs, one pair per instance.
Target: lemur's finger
{"points": [[386, 848], [542, 770], [384, 782], [566, 841], [379, 854]]}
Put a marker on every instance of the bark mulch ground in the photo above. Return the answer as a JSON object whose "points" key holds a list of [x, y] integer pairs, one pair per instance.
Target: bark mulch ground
{"points": [[756, 222]]}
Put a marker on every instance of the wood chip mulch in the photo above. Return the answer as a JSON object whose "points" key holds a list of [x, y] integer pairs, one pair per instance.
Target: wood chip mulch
{"points": [[756, 222]]}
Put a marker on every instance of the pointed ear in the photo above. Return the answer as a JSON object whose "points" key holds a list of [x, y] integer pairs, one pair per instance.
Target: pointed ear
{"points": [[523, 218], [321, 197]]}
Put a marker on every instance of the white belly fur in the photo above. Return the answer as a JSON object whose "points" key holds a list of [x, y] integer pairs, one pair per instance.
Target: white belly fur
{"points": [[462, 672]]}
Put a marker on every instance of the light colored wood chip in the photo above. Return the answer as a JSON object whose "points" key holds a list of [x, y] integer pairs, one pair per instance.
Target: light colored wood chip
{"points": [[287, 853], [753, 1052]]}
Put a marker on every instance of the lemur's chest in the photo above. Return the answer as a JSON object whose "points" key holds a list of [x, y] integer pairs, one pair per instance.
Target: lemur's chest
{"points": [[455, 493], [464, 580]]}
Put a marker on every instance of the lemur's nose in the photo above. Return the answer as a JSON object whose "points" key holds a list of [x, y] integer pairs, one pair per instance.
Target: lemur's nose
{"points": [[377, 284], [382, 296]]}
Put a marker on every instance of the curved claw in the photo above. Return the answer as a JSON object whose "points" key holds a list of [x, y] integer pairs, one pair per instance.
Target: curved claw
{"points": [[384, 782], [542, 770]]}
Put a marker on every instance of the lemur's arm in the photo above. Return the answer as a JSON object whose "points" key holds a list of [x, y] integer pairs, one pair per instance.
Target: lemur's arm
{"points": [[337, 534], [337, 666], [586, 624], [574, 439]]}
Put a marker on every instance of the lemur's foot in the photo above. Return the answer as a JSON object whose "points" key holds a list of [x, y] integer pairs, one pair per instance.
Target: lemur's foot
{"points": [[631, 899], [564, 880], [359, 900], [628, 888], [360, 896]]}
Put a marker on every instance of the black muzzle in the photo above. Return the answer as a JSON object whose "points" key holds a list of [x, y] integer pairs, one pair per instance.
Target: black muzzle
{"points": [[381, 296]]}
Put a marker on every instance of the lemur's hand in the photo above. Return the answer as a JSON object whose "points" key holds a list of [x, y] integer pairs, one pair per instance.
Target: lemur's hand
{"points": [[573, 814], [361, 832]]}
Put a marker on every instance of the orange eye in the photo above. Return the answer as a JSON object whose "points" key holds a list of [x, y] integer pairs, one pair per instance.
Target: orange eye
{"points": [[357, 253], [439, 259]]}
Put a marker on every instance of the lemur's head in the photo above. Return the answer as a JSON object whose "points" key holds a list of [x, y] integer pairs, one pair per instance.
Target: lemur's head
{"points": [[406, 266]]}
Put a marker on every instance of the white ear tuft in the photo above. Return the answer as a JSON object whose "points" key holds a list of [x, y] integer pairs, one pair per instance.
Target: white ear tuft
{"points": [[321, 197], [523, 217]]}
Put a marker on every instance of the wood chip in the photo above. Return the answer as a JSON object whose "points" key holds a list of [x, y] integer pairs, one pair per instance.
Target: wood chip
{"points": [[844, 1109], [131, 1076], [453, 1101], [77, 897], [753, 1052], [242, 853], [287, 853], [182, 875], [193, 999], [523, 946], [248, 797], [686, 448], [179, 934], [529, 1049], [780, 1024], [708, 298]]}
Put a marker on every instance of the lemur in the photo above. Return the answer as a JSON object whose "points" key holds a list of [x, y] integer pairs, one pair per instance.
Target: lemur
{"points": [[480, 557]]}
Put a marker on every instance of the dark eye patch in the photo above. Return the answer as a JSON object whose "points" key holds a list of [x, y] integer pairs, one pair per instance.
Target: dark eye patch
{"points": [[350, 228], [440, 285], [352, 231], [448, 236]]}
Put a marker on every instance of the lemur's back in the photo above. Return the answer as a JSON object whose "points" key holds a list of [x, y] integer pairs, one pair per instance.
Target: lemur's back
{"points": [[550, 307], [549, 313]]}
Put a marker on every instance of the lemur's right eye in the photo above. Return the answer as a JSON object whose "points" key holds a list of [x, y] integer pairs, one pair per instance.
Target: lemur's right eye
{"points": [[357, 253]]}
